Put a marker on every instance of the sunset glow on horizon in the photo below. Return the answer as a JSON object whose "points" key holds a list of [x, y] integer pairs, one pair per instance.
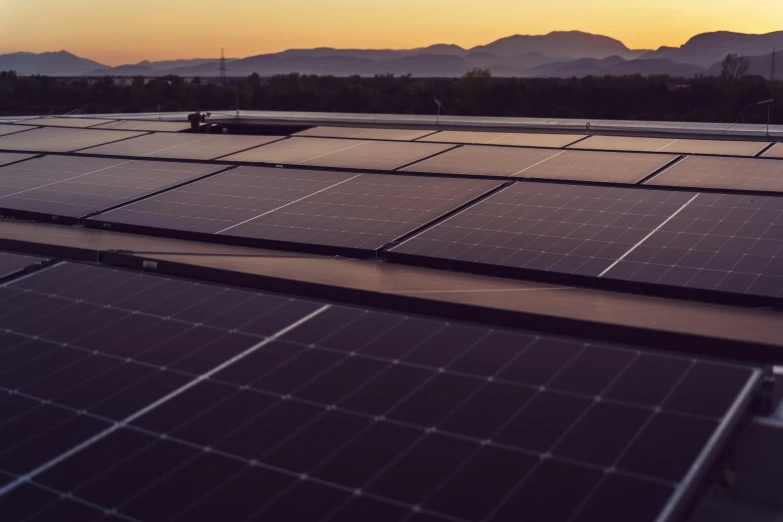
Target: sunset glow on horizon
{"points": [[116, 32]]}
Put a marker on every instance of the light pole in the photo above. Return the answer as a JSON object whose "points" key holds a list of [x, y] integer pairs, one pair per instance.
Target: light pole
{"points": [[440, 106], [768, 103]]}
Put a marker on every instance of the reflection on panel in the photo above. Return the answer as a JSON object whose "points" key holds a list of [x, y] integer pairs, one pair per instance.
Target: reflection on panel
{"points": [[54, 139], [365, 133], [605, 167], [723, 173], [182, 146], [479, 160]]}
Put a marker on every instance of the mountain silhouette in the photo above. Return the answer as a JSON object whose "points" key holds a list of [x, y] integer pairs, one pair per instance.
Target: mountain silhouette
{"points": [[708, 48]]}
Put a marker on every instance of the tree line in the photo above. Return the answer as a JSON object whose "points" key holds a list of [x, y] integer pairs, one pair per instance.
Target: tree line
{"points": [[477, 93]]}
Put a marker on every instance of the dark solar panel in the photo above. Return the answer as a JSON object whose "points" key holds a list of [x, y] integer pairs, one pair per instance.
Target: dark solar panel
{"points": [[607, 167], [55, 139], [355, 154], [483, 161], [75, 186], [9, 157], [145, 398], [183, 146], [559, 228], [324, 208], [365, 133], [723, 242], [12, 263], [723, 173]]}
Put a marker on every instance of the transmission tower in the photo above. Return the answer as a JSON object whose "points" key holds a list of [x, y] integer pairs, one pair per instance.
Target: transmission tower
{"points": [[223, 69]]}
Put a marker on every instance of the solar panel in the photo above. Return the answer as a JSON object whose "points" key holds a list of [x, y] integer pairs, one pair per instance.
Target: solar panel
{"points": [[485, 161], [146, 125], [201, 402], [53, 139], [717, 147], [7, 157], [504, 138], [365, 133], [10, 129], [723, 242], [326, 152], [322, 208], [540, 226], [75, 186], [184, 146], [723, 173], [12, 263], [65, 122], [605, 167], [623, 143], [775, 152]]}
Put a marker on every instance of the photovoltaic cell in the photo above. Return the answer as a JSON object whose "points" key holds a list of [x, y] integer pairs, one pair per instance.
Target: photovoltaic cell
{"points": [[11, 129], [326, 152], [607, 167], [8, 157], [183, 146], [365, 133], [775, 152], [557, 228], [484, 161], [145, 125], [323, 208], [504, 138], [623, 143], [723, 173], [11, 263], [716, 147], [54, 139], [77, 186], [65, 122], [722, 242], [275, 408]]}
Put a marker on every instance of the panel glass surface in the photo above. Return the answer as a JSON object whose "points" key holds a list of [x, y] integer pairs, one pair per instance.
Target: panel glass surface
{"points": [[283, 409], [722, 242], [606, 167], [775, 152], [326, 152], [558, 228], [624, 143], [8, 157], [365, 133], [483, 161], [182, 146], [323, 208], [65, 122], [145, 125], [76, 186], [11, 129], [53, 139], [504, 138], [717, 147], [11, 263], [723, 173]]}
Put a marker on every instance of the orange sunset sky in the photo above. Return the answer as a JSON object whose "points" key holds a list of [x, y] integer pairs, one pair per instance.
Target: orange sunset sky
{"points": [[127, 31]]}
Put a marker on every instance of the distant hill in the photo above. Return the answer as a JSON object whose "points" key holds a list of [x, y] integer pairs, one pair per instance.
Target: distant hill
{"points": [[706, 49], [759, 65], [60, 63], [574, 44], [614, 65]]}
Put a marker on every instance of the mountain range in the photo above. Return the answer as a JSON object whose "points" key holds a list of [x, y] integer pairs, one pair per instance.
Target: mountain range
{"points": [[557, 54]]}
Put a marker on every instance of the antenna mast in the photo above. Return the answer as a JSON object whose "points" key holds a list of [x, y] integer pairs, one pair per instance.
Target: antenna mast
{"points": [[222, 65]]}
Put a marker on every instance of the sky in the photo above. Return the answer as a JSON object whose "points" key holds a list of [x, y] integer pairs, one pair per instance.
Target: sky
{"points": [[115, 32]]}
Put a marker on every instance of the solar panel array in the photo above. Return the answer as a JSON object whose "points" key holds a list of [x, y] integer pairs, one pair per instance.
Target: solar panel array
{"points": [[10, 129], [776, 151], [76, 186], [504, 138], [65, 122], [558, 228], [723, 173], [322, 208], [476, 160], [55, 139], [183, 146], [723, 242], [365, 133], [11, 263], [625, 143], [353, 154], [200, 402], [717, 147], [9, 157], [146, 125]]}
